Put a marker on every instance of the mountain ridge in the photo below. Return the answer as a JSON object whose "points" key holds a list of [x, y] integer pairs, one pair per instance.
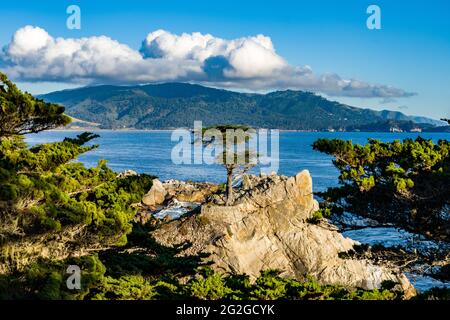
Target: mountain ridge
{"points": [[175, 104]]}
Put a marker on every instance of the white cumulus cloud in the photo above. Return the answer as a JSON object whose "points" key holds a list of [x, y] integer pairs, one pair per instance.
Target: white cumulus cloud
{"points": [[249, 63]]}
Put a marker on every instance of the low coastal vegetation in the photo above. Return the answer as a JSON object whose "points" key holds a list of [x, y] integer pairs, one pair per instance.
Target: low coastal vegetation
{"points": [[206, 285], [406, 183], [54, 212]]}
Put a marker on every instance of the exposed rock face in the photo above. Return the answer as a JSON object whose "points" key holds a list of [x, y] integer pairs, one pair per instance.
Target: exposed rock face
{"points": [[156, 195], [189, 192], [181, 191], [266, 228], [127, 173]]}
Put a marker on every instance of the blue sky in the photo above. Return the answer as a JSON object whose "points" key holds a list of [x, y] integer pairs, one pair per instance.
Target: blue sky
{"points": [[410, 53]]}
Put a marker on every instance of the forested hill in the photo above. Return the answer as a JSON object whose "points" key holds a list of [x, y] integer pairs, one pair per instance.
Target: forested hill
{"points": [[172, 105]]}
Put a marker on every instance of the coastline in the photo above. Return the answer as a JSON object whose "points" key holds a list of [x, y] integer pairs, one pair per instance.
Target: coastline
{"points": [[92, 129]]}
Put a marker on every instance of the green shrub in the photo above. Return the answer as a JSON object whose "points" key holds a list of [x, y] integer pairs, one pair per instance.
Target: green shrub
{"points": [[401, 182], [318, 215]]}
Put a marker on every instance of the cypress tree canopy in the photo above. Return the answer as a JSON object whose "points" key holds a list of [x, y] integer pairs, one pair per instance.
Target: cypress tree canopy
{"points": [[402, 182], [21, 113]]}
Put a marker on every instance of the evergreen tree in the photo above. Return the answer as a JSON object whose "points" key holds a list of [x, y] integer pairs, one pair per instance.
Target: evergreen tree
{"points": [[21, 113], [46, 197], [236, 155], [406, 183]]}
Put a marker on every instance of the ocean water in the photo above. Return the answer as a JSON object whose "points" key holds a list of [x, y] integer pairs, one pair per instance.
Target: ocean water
{"points": [[150, 152]]}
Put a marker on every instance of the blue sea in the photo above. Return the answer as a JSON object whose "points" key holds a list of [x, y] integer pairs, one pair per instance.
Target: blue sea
{"points": [[150, 152]]}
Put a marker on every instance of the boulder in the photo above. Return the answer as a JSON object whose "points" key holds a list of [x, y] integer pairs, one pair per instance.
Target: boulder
{"points": [[266, 228], [127, 173], [156, 195], [189, 192]]}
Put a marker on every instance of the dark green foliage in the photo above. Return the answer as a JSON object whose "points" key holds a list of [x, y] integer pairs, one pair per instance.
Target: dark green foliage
{"points": [[319, 215], [270, 286], [235, 162], [49, 282], [130, 287], [46, 280], [45, 196], [142, 255], [21, 113], [42, 181], [406, 183], [143, 269]]}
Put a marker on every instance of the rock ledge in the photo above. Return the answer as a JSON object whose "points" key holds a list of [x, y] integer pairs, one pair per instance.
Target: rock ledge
{"points": [[266, 228]]}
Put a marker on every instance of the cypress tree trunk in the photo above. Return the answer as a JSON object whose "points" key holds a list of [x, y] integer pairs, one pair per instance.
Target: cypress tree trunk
{"points": [[229, 190]]}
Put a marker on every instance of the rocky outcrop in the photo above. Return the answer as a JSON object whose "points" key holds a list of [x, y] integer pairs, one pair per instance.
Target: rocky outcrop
{"points": [[127, 173], [266, 228], [156, 195], [189, 192], [174, 190]]}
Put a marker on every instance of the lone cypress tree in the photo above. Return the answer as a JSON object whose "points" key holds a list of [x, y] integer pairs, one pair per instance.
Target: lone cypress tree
{"points": [[237, 162]]}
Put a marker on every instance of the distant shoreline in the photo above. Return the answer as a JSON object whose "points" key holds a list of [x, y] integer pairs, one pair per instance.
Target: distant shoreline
{"points": [[168, 130]]}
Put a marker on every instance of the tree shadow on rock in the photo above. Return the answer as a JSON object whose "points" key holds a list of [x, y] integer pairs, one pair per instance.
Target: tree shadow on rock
{"points": [[143, 255]]}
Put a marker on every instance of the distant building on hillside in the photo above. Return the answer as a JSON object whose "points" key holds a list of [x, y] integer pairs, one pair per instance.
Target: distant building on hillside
{"points": [[395, 129]]}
